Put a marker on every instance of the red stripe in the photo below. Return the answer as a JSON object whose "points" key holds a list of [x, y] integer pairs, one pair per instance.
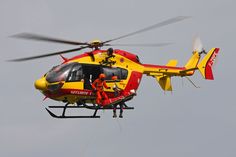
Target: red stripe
{"points": [[125, 54], [77, 92], [209, 64], [163, 67]]}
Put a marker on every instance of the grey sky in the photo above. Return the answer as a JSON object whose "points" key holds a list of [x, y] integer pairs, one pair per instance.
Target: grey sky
{"points": [[189, 122]]}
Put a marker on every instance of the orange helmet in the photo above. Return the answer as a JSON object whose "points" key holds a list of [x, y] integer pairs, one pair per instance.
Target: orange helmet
{"points": [[114, 78], [102, 76]]}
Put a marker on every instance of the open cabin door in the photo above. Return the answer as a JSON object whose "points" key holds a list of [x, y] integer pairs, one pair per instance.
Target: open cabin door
{"points": [[90, 72]]}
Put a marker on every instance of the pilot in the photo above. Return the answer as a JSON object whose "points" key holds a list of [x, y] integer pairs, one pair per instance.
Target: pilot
{"points": [[98, 85], [117, 91]]}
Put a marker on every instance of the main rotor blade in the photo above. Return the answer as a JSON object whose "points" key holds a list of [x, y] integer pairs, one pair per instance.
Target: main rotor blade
{"points": [[47, 55], [141, 45], [157, 25], [37, 37]]}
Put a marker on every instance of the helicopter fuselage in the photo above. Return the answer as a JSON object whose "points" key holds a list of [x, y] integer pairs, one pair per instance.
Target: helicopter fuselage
{"points": [[71, 81]]}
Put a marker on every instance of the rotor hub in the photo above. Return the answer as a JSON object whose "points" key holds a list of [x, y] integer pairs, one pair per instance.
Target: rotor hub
{"points": [[96, 43]]}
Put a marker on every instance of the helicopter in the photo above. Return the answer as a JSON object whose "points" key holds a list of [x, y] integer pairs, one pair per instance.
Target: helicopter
{"points": [[71, 81]]}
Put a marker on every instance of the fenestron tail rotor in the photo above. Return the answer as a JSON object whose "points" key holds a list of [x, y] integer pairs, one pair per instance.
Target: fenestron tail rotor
{"points": [[96, 44]]}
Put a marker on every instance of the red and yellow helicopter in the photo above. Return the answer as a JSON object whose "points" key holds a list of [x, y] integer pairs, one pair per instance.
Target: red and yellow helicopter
{"points": [[70, 82]]}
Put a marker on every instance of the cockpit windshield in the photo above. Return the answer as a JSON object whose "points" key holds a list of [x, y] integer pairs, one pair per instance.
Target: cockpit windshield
{"points": [[59, 73]]}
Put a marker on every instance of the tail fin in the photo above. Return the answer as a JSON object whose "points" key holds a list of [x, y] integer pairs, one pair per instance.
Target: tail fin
{"points": [[192, 63], [205, 66]]}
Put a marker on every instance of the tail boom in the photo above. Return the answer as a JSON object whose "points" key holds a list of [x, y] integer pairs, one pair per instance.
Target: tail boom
{"points": [[163, 74]]}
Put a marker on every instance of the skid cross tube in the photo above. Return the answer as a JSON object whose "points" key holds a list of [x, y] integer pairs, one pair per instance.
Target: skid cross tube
{"points": [[64, 110]]}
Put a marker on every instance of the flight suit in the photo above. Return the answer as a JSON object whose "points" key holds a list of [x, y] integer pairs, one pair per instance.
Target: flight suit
{"points": [[98, 85]]}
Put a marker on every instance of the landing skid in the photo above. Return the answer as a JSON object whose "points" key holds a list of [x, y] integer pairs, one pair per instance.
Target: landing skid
{"points": [[63, 116], [85, 106], [95, 107]]}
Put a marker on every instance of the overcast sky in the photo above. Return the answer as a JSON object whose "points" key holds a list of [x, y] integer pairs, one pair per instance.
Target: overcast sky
{"points": [[188, 122]]}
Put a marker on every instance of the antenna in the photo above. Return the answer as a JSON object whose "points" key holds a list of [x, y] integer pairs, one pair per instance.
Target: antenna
{"points": [[192, 82]]}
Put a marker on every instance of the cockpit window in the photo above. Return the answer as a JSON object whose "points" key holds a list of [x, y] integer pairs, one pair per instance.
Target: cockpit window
{"points": [[59, 73], [76, 74]]}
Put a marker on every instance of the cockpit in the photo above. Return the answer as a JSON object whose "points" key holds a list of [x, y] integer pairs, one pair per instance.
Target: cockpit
{"points": [[76, 72], [60, 73]]}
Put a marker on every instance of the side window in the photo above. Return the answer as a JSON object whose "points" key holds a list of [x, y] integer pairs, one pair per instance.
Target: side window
{"points": [[109, 72], [120, 73], [124, 73], [76, 74]]}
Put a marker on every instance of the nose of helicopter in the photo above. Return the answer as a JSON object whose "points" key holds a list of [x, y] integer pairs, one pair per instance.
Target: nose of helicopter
{"points": [[40, 84]]}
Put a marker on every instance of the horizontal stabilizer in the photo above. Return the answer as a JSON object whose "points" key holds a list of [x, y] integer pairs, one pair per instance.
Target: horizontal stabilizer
{"points": [[172, 63], [165, 82]]}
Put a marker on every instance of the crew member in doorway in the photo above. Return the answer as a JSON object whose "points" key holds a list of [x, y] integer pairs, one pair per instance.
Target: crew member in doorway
{"points": [[97, 86]]}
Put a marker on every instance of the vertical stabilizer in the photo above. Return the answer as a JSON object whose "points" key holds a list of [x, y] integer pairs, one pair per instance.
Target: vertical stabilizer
{"points": [[205, 66]]}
